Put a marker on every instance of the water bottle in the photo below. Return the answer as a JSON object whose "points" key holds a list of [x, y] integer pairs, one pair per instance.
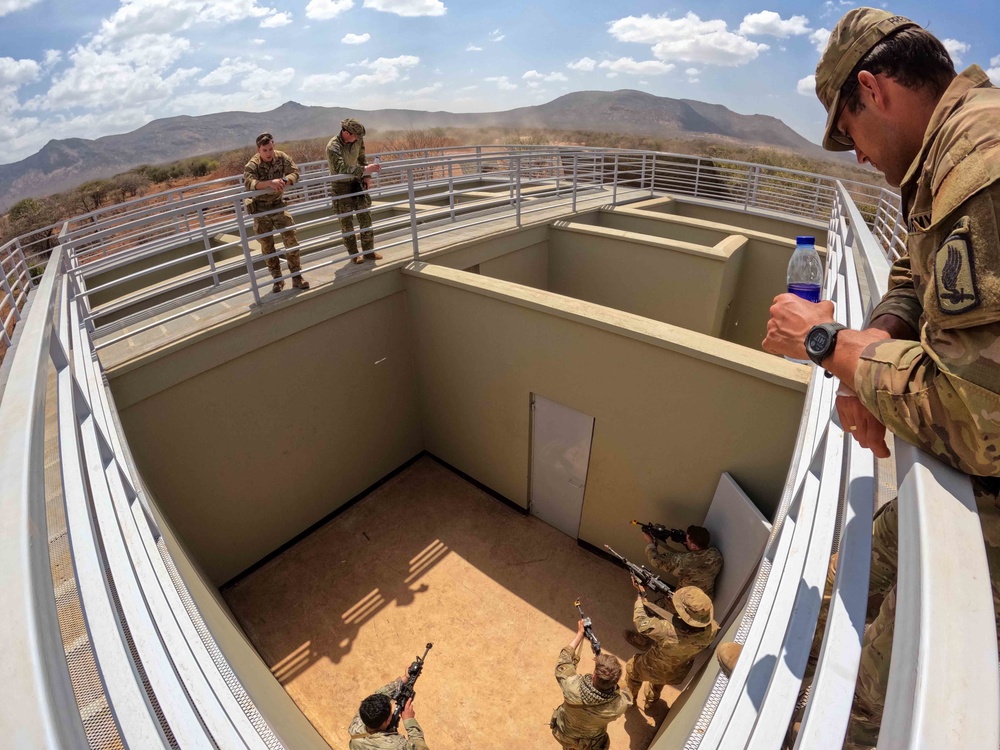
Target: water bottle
{"points": [[805, 275], [805, 272], [375, 174]]}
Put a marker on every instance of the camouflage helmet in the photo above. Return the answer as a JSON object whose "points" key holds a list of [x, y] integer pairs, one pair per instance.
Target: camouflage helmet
{"points": [[693, 606], [851, 39], [353, 127]]}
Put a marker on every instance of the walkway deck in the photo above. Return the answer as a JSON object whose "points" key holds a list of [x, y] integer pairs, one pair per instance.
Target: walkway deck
{"points": [[179, 320]]}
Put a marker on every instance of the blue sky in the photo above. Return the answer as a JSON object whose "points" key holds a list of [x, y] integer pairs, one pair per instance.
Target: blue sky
{"points": [[73, 69]]}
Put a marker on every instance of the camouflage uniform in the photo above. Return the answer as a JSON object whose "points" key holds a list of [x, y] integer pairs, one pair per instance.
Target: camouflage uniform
{"points": [[581, 722], [361, 739], [349, 159], [258, 170], [699, 568], [676, 641], [941, 393]]}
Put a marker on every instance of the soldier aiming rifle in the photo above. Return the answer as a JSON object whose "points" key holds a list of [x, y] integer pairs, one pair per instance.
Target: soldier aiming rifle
{"points": [[375, 726], [661, 532], [643, 576]]}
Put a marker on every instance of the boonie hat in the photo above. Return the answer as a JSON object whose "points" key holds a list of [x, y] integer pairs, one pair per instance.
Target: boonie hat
{"points": [[353, 127], [851, 39], [693, 606], [264, 138]]}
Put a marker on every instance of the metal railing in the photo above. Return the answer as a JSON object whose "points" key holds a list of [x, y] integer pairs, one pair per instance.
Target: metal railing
{"points": [[166, 680], [827, 506]]}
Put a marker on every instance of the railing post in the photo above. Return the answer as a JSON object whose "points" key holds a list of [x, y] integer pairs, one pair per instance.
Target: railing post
{"points": [[697, 175], [413, 210], [614, 187], [451, 196], [576, 159], [558, 166], [652, 175], [479, 159], [23, 260], [517, 207], [240, 225], [642, 173], [208, 247]]}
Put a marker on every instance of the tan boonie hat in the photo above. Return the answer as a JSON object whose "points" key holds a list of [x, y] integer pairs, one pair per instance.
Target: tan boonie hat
{"points": [[851, 39], [353, 127], [693, 606]]}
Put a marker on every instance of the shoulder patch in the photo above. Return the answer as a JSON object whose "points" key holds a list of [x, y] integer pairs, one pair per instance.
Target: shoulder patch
{"points": [[955, 272]]}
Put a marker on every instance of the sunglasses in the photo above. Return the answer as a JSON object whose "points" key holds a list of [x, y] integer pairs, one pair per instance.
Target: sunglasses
{"points": [[835, 135]]}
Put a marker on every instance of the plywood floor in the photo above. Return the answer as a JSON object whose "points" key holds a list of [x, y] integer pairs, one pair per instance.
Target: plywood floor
{"points": [[428, 557]]}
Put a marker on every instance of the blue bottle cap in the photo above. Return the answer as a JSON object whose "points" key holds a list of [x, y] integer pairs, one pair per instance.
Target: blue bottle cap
{"points": [[805, 240]]}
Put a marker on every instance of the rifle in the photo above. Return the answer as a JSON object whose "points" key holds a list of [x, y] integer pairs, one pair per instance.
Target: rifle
{"points": [[588, 631], [405, 692], [644, 576], [661, 532]]}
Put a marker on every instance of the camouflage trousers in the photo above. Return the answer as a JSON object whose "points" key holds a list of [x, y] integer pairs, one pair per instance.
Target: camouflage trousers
{"points": [[286, 224], [876, 648], [586, 743], [346, 207], [637, 671]]}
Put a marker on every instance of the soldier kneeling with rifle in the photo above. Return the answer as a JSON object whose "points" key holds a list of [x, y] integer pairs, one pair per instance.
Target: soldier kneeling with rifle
{"points": [[375, 726]]}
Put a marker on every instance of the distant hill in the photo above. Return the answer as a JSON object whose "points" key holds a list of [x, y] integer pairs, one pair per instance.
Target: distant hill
{"points": [[64, 164]]}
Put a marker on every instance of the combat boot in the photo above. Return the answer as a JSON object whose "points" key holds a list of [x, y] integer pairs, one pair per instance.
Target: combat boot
{"points": [[728, 654], [372, 255], [277, 286], [299, 283]]}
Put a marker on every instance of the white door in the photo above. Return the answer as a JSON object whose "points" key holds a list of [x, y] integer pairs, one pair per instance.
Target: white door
{"points": [[560, 455]]}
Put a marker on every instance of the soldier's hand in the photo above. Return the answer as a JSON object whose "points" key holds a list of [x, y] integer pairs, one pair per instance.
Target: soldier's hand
{"points": [[278, 185], [407, 712], [862, 425], [579, 627], [647, 537], [638, 586], [791, 319], [369, 168]]}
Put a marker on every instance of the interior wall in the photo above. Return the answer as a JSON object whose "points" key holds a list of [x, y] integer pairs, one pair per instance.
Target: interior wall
{"points": [[251, 451], [275, 705], [528, 266], [673, 282], [673, 408]]}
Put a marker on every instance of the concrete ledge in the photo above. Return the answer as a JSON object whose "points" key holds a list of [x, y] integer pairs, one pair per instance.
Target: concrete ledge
{"points": [[700, 346]]}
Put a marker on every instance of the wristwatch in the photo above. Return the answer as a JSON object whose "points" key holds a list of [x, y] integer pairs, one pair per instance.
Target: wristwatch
{"points": [[821, 340]]}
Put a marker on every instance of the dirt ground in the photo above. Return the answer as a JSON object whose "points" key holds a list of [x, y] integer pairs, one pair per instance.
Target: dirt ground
{"points": [[428, 557]]}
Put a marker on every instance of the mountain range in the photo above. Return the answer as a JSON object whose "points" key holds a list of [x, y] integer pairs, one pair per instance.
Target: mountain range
{"points": [[64, 164]]}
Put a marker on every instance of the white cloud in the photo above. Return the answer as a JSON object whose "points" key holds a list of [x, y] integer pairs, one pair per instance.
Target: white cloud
{"points": [[408, 7], [51, 59], [819, 38], [503, 82], [692, 72], [772, 24], [584, 64], [466, 89], [356, 38], [323, 84], [496, 35], [534, 75], [956, 49], [143, 17], [473, 48], [228, 69], [807, 86], [258, 41], [276, 21], [688, 39], [127, 76], [428, 90], [994, 71], [323, 10], [14, 73], [382, 71], [10, 6], [645, 67]]}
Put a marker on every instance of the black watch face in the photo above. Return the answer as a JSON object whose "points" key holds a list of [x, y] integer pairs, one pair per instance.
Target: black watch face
{"points": [[818, 341]]}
